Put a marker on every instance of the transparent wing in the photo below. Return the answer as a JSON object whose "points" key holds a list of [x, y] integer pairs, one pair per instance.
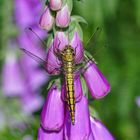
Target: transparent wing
{"points": [[41, 62], [36, 35], [35, 57], [92, 40]]}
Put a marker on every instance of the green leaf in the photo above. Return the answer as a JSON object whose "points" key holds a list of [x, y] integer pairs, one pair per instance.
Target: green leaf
{"points": [[47, 2], [78, 19], [72, 26], [71, 29], [84, 87], [69, 3], [79, 30], [49, 40], [75, 27], [93, 112]]}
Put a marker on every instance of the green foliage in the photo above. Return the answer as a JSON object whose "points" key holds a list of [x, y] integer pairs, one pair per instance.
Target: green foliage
{"points": [[119, 61], [69, 3]]}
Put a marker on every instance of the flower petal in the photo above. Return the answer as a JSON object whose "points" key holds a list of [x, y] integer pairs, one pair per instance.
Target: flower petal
{"points": [[96, 82], [52, 116], [55, 4], [99, 131], [91, 137], [81, 129], [45, 135], [23, 11], [53, 64], [76, 43], [60, 41], [77, 90], [33, 46], [47, 20], [35, 76], [30, 9], [63, 17]]}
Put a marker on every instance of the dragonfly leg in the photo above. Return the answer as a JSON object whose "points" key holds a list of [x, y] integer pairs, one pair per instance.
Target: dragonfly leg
{"points": [[75, 49], [82, 67]]}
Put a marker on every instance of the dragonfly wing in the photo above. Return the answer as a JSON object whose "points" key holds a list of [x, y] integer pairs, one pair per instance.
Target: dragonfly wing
{"points": [[53, 60], [35, 57], [92, 40], [35, 35], [47, 66]]}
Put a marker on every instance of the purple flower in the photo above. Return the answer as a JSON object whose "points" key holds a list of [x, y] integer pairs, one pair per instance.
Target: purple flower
{"points": [[63, 17], [55, 4], [30, 101], [27, 13], [77, 45], [56, 122], [96, 82], [52, 125], [81, 129], [60, 41], [99, 131], [31, 45], [47, 20], [48, 135], [52, 66], [12, 82], [52, 116], [22, 76]]}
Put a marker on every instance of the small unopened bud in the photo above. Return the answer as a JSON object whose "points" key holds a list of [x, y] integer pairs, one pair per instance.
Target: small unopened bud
{"points": [[46, 20], [55, 4], [63, 17]]}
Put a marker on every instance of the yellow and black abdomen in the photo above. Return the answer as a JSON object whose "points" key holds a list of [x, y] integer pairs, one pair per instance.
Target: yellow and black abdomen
{"points": [[69, 79]]}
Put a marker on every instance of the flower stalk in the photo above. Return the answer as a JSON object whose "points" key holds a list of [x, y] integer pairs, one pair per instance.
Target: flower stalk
{"points": [[56, 119]]}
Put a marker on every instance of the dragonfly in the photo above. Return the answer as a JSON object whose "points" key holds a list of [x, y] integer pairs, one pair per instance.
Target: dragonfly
{"points": [[68, 66]]}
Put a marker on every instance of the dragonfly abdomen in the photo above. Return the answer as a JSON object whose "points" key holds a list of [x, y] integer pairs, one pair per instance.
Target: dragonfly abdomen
{"points": [[69, 79], [70, 94]]}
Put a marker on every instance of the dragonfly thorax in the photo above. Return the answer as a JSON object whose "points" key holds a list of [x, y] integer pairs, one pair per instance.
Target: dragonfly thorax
{"points": [[68, 54]]}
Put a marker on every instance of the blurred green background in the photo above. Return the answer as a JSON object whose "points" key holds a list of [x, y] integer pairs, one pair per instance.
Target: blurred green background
{"points": [[119, 61]]}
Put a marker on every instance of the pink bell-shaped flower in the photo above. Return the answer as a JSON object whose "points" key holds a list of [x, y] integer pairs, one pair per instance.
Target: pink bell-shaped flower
{"points": [[63, 17], [95, 80], [47, 20], [55, 4]]}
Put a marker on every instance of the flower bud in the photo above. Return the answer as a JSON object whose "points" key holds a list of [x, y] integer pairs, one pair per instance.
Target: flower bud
{"points": [[55, 4], [46, 20], [63, 17]]}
